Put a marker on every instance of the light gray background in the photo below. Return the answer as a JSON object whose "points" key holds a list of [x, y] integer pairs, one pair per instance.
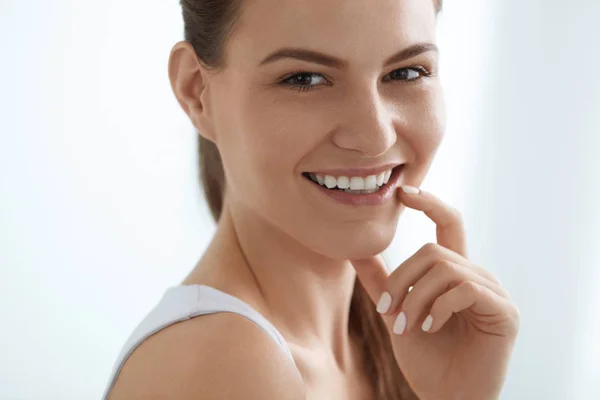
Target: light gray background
{"points": [[100, 210]]}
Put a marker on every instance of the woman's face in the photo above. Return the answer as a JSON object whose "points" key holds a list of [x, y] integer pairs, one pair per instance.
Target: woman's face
{"points": [[360, 112]]}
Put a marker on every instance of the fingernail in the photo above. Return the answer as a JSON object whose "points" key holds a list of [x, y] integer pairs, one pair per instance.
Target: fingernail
{"points": [[427, 323], [384, 303], [410, 189], [400, 324]]}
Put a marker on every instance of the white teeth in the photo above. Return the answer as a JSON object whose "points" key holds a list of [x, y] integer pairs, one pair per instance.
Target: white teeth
{"points": [[357, 183], [370, 182], [330, 181], [343, 182], [387, 176]]}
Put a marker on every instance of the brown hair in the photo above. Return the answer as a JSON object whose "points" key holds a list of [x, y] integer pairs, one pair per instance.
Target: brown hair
{"points": [[207, 26]]}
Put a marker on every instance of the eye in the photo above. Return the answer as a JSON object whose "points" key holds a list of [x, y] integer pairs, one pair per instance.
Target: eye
{"points": [[301, 80], [412, 73]]}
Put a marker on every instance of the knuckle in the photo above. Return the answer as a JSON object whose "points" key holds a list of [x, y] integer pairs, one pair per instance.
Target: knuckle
{"points": [[429, 248], [444, 267], [470, 287]]}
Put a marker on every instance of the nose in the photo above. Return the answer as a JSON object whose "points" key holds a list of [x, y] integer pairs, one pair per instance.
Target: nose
{"points": [[369, 129]]}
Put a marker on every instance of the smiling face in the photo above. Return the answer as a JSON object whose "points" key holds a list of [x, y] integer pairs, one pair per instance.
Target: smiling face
{"points": [[364, 114]]}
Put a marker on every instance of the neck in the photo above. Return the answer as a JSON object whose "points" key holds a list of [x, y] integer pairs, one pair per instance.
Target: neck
{"points": [[304, 294]]}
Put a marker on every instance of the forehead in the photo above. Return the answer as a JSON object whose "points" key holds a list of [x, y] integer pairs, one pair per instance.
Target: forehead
{"points": [[350, 29]]}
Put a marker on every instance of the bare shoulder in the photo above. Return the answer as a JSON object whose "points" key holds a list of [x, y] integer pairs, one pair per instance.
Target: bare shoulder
{"points": [[215, 356]]}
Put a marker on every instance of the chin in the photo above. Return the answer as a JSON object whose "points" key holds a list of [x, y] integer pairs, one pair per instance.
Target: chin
{"points": [[355, 244], [366, 250]]}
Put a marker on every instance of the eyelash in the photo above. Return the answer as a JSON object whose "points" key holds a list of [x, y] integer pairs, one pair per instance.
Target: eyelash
{"points": [[305, 88]]}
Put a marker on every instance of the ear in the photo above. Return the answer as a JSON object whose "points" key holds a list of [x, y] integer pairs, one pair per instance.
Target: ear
{"points": [[189, 83]]}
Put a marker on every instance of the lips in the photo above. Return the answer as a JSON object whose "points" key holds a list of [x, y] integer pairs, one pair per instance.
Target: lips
{"points": [[365, 197]]}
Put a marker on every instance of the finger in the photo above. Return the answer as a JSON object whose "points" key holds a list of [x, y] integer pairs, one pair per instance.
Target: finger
{"points": [[492, 314], [373, 274], [442, 277], [486, 274], [416, 266], [450, 229]]}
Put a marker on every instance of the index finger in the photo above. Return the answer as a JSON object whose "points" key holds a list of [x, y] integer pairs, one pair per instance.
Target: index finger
{"points": [[450, 230]]}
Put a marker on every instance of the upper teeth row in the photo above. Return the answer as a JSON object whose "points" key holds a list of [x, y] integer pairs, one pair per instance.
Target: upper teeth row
{"points": [[353, 182]]}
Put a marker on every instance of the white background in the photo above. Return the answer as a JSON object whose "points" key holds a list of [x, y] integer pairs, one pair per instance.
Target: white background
{"points": [[100, 209]]}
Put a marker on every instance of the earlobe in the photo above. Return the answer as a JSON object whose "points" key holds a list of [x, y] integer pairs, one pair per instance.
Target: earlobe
{"points": [[187, 79]]}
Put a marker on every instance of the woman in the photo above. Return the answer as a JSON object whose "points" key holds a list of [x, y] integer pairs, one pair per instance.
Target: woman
{"points": [[318, 121]]}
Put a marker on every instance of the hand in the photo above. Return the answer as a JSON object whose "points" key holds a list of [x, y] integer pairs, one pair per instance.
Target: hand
{"points": [[453, 333]]}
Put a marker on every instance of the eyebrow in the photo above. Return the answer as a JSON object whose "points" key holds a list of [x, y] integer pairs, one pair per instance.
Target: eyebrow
{"points": [[331, 61]]}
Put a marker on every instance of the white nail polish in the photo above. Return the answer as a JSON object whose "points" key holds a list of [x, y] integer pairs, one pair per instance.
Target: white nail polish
{"points": [[384, 303], [400, 324], [410, 189], [427, 323]]}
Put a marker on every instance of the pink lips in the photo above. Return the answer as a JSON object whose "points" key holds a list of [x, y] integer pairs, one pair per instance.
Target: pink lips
{"points": [[369, 199]]}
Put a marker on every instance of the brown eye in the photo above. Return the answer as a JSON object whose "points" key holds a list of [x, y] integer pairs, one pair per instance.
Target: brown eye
{"points": [[302, 80], [305, 80], [412, 73]]}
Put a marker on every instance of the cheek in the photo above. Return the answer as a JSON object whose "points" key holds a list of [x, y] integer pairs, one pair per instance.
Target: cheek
{"points": [[427, 126], [264, 143]]}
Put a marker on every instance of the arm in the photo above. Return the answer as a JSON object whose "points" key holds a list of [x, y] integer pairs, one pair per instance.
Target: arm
{"points": [[216, 356]]}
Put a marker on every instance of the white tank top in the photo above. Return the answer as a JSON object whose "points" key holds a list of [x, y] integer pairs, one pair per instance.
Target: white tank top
{"points": [[184, 302]]}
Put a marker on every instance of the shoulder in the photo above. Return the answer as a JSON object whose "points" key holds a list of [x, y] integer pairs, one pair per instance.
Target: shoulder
{"points": [[215, 356]]}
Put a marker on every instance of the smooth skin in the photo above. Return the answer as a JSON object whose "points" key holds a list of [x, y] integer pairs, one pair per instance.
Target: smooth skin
{"points": [[220, 356], [284, 248], [463, 353]]}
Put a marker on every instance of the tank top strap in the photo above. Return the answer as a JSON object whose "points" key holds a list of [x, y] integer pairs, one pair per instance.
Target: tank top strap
{"points": [[182, 302]]}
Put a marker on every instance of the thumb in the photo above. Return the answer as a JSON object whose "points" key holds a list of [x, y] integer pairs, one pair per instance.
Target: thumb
{"points": [[373, 275]]}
